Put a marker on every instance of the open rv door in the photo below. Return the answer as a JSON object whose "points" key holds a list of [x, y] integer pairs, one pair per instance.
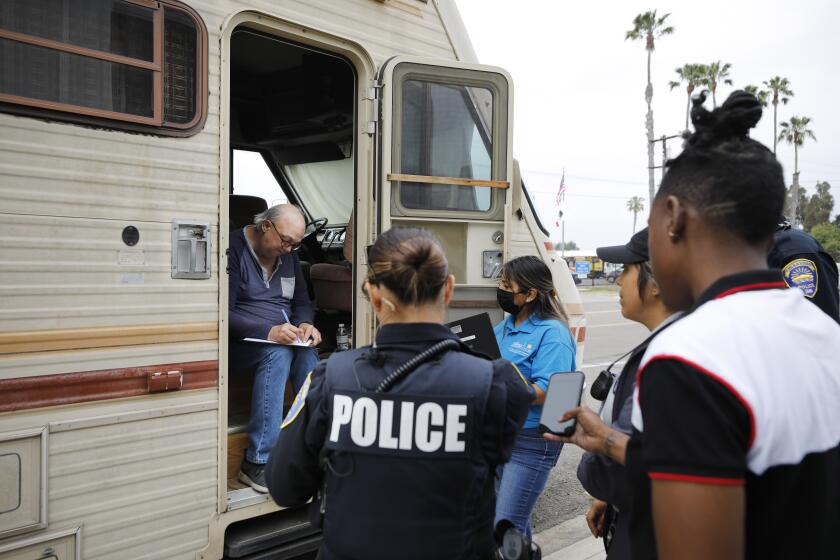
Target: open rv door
{"points": [[445, 163]]}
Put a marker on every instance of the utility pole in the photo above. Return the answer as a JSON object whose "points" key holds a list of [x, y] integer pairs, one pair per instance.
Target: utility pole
{"points": [[795, 200], [664, 139], [562, 238], [649, 127]]}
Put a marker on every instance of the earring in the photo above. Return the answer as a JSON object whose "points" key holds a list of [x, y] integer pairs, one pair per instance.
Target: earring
{"points": [[673, 235]]}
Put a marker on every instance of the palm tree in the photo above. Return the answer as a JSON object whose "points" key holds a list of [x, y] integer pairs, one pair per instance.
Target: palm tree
{"points": [[760, 94], [717, 72], [779, 88], [795, 132], [636, 204], [693, 75], [648, 27]]}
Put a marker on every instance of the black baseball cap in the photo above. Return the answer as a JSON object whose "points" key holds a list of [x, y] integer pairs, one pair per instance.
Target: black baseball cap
{"points": [[635, 251]]}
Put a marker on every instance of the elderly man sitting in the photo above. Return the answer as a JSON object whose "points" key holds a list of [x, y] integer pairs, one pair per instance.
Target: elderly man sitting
{"points": [[268, 300]]}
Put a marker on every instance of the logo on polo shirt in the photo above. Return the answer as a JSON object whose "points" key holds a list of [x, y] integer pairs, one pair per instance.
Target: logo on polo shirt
{"points": [[802, 274], [521, 349]]}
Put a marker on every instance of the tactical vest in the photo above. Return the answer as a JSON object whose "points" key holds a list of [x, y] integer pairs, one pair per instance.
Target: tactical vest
{"points": [[405, 474]]}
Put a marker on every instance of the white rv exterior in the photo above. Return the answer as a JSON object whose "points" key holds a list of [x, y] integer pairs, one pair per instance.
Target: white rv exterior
{"points": [[94, 463]]}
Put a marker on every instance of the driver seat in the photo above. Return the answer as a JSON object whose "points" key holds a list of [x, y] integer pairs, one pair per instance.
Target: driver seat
{"points": [[242, 209], [333, 286]]}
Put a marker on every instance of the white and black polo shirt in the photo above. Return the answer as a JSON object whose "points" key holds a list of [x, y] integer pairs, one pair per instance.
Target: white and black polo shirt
{"points": [[745, 391]]}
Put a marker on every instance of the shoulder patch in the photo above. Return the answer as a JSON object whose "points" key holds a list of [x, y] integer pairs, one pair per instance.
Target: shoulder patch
{"points": [[522, 377], [802, 274], [299, 402]]}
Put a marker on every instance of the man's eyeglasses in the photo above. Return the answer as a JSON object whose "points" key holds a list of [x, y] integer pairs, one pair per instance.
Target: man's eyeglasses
{"points": [[292, 245]]}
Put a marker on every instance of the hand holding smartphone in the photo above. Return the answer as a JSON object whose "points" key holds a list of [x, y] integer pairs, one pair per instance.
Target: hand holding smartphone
{"points": [[564, 393]]}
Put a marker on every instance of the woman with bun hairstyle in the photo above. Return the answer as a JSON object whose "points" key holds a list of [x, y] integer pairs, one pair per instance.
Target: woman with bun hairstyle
{"points": [[399, 442], [734, 452], [534, 336]]}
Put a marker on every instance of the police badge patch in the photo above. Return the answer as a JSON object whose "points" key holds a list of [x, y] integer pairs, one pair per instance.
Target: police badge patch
{"points": [[297, 405], [802, 274]]}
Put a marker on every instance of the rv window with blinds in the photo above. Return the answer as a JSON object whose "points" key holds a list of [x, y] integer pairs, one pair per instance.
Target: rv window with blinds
{"points": [[134, 64]]}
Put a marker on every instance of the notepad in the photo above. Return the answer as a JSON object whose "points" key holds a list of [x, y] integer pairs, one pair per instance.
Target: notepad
{"points": [[263, 341]]}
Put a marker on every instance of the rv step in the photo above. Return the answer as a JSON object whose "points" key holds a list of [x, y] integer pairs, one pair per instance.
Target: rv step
{"points": [[280, 535]]}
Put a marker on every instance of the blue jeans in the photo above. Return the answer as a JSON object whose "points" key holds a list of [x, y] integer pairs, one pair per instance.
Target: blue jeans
{"points": [[522, 479], [273, 366]]}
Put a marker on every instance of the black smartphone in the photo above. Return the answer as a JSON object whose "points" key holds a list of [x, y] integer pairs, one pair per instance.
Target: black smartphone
{"points": [[564, 393]]}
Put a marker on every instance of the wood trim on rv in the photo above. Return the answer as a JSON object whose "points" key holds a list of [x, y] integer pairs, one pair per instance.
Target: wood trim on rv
{"points": [[401, 177], [100, 337], [26, 393]]}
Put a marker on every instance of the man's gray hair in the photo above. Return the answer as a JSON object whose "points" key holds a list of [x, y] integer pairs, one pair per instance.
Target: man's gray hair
{"points": [[276, 212]]}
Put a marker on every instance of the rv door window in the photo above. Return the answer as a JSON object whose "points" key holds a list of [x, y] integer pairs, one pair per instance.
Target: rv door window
{"points": [[119, 63], [444, 134]]}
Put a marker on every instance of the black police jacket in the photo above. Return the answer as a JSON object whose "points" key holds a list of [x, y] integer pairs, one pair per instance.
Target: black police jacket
{"points": [[807, 266], [408, 473]]}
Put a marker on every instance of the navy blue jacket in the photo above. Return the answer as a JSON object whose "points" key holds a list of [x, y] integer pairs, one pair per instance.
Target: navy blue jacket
{"points": [[254, 305], [398, 484]]}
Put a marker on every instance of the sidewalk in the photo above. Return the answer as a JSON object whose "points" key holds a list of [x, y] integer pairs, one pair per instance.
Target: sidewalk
{"points": [[571, 540]]}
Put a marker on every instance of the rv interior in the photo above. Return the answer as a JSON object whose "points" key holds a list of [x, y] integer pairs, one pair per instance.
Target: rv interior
{"points": [[292, 124]]}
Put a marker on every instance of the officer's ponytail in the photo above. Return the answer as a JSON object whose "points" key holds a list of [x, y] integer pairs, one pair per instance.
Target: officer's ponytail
{"points": [[410, 262]]}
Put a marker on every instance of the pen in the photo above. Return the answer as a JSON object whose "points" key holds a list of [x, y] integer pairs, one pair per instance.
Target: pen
{"points": [[285, 316]]}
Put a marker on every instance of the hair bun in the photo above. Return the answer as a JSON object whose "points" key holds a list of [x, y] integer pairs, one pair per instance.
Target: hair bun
{"points": [[410, 262], [739, 113]]}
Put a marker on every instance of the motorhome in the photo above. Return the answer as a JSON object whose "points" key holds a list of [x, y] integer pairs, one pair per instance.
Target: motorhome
{"points": [[135, 135]]}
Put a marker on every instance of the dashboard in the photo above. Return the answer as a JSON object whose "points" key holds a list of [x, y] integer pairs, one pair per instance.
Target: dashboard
{"points": [[332, 238]]}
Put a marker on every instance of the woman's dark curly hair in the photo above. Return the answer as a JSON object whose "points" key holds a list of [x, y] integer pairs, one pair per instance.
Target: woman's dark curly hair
{"points": [[735, 182]]}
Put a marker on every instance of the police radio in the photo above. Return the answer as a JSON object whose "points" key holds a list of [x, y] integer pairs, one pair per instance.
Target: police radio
{"points": [[603, 383]]}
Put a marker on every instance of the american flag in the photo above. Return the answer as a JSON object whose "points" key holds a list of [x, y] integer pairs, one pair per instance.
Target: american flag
{"points": [[561, 195], [561, 192]]}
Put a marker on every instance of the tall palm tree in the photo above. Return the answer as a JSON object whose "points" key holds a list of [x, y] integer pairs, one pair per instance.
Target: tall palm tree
{"points": [[760, 94], [636, 204], [648, 27], [795, 132], [779, 88], [693, 75], [717, 72]]}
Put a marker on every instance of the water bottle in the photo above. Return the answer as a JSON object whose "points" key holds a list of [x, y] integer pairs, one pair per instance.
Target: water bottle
{"points": [[342, 338]]}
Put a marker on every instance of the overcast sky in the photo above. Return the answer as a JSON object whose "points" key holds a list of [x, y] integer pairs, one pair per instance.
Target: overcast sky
{"points": [[579, 91]]}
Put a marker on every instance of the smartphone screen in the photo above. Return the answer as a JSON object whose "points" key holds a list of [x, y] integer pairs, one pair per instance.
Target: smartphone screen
{"points": [[564, 393]]}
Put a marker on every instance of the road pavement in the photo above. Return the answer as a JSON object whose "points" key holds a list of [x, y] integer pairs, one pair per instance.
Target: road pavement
{"points": [[608, 337]]}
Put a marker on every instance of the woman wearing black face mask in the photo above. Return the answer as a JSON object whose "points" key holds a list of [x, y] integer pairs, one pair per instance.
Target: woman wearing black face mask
{"points": [[536, 338]]}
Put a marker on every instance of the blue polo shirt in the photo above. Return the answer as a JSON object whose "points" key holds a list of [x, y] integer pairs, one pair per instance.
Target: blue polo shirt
{"points": [[538, 347]]}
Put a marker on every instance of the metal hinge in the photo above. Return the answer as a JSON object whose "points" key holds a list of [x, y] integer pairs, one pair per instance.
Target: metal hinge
{"points": [[373, 90], [373, 95]]}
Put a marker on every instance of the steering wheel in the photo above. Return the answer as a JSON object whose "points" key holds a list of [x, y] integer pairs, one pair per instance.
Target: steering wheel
{"points": [[310, 239], [313, 228]]}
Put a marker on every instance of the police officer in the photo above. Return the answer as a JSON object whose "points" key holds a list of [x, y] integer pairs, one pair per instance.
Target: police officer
{"points": [[807, 266], [398, 442]]}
